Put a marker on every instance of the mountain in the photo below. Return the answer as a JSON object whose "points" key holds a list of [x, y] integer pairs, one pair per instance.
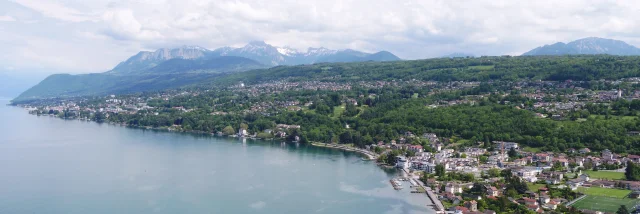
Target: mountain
{"points": [[145, 59], [591, 45], [172, 68], [205, 64], [271, 55]]}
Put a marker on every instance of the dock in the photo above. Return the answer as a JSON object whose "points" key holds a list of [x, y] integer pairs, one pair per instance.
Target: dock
{"points": [[437, 204]]}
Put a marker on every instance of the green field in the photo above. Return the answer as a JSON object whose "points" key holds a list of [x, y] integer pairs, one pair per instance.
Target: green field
{"points": [[534, 187], [614, 193], [604, 204], [606, 175], [338, 110]]}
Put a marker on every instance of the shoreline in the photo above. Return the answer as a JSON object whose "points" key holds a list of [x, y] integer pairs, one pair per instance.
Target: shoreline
{"points": [[368, 154]]}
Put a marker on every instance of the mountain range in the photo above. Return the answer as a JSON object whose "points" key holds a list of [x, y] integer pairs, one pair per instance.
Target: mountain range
{"points": [[257, 51], [590, 45], [170, 68]]}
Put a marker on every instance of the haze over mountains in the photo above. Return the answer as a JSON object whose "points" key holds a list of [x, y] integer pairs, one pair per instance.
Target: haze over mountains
{"points": [[590, 45], [169, 68], [188, 65], [257, 51]]}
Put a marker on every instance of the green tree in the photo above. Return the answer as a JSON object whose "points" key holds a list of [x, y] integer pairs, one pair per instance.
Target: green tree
{"points": [[440, 170], [512, 153], [632, 172], [623, 210], [228, 130]]}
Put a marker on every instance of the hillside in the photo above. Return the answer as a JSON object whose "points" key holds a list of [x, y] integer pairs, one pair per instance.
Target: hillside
{"points": [[591, 45], [187, 65]]}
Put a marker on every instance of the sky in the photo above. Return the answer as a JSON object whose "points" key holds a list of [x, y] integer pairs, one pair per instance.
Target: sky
{"points": [[40, 37]]}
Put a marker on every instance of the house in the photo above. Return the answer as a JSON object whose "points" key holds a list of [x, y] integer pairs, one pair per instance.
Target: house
{"points": [[634, 194], [532, 207], [544, 199], [584, 177], [505, 145], [402, 162], [528, 201], [584, 150], [453, 188], [493, 191], [634, 158], [430, 168], [471, 205], [242, 133], [459, 210], [415, 148], [552, 181]]}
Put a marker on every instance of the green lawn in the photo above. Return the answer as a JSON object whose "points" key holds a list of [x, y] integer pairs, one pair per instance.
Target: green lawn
{"points": [[531, 149], [534, 187], [338, 110], [606, 175], [614, 193], [604, 204]]}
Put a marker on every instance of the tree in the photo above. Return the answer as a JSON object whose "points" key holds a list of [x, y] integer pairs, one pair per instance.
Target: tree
{"points": [[623, 210], [440, 170], [494, 172], [244, 126], [463, 155], [632, 172], [228, 130], [512, 153]]}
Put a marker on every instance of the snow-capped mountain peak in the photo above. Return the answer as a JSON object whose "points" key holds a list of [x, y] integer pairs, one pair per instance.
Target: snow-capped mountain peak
{"points": [[287, 51]]}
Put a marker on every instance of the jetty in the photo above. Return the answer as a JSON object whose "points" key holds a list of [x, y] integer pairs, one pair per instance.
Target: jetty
{"points": [[437, 204]]}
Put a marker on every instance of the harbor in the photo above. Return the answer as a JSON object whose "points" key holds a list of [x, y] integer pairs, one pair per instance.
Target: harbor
{"points": [[417, 187]]}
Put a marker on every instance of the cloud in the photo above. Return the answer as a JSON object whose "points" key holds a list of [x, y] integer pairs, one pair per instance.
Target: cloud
{"points": [[55, 10], [110, 31], [7, 19], [258, 205]]}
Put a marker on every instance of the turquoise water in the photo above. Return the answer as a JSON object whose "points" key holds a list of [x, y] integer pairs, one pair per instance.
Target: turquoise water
{"points": [[49, 165]]}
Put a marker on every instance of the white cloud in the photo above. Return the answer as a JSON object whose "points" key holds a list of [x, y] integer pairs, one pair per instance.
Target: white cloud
{"points": [[110, 31], [7, 19], [57, 10]]}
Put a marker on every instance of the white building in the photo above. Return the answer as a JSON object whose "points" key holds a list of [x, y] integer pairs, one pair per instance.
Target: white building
{"points": [[402, 162]]}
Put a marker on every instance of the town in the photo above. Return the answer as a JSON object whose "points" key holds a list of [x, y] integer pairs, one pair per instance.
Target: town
{"points": [[459, 174]]}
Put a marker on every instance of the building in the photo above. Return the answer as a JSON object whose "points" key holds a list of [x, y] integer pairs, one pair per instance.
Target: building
{"points": [[430, 168], [634, 194], [493, 191], [507, 145], [453, 188], [402, 162], [584, 150], [471, 205]]}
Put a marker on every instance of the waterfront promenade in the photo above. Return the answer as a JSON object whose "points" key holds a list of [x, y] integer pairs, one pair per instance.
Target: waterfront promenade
{"points": [[370, 155]]}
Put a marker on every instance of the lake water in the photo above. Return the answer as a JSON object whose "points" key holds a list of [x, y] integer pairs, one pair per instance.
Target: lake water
{"points": [[49, 165]]}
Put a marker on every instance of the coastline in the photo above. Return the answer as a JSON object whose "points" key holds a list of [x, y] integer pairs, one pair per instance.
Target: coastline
{"points": [[368, 154]]}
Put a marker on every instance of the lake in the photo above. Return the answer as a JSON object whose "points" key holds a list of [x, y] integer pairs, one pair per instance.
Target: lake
{"points": [[50, 165]]}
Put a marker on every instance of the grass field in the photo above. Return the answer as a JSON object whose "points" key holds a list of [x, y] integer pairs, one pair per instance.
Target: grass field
{"points": [[338, 110], [604, 204], [534, 187], [606, 175], [597, 191], [531, 149]]}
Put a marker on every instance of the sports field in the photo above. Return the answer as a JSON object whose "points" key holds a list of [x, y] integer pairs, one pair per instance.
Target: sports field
{"points": [[614, 193], [605, 175], [604, 204]]}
